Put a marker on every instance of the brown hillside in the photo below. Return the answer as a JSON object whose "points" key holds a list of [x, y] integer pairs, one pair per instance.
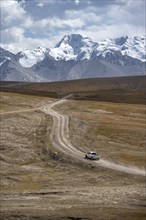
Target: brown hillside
{"points": [[117, 89]]}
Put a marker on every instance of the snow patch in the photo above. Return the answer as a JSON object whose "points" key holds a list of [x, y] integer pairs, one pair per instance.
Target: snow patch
{"points": [[31, 57], [1, 63], [65, 52], [77, 47]]}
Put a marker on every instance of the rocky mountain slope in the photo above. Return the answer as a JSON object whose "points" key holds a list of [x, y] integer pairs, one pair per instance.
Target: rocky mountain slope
{"points": [[76, 57]]}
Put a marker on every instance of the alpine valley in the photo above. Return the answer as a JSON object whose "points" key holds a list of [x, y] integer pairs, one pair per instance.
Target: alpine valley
{"points": [[76, 57]]}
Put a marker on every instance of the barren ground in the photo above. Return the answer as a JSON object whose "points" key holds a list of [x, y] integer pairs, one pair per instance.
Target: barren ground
{"points": [[36, 185]]}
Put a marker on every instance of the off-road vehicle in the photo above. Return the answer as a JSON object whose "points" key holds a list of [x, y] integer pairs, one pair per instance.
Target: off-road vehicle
{"points": [[92, 155]]}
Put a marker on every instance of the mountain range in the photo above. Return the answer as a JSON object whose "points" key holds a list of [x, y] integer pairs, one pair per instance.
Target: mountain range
{"points": [[76, 57]]}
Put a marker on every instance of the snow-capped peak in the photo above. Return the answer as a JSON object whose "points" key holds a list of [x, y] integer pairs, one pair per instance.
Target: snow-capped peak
{"points": [[132, 46], [135, 47], [77, 47], [73, 40], [121, 40], [74, 46], [30, 57]]}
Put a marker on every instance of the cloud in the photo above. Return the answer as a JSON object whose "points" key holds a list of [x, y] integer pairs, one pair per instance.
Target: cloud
{"points": [[27, 43], [111, 31], [29, 24], [77, 2], [86, 15], [130, 13], [53, 23], [41, 5], [14, 15], [11, 13], [13, 34], [14, 21], [72, 21]]}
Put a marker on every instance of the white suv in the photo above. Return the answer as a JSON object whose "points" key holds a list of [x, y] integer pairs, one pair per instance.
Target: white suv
{"points": [[92, 155]]}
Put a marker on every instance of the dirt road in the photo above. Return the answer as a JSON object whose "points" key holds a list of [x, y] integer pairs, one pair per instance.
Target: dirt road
{"points": [[60, 139]]}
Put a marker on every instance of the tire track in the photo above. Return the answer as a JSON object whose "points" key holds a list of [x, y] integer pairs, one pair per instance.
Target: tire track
{"points": [[60, 139], [60, 132]]}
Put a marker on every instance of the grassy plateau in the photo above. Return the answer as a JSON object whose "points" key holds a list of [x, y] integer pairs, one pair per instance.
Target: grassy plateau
{"points": [[105, 115]]}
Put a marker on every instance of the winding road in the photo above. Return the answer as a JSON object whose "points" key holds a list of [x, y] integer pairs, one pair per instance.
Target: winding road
{"points": [[60, 139]]}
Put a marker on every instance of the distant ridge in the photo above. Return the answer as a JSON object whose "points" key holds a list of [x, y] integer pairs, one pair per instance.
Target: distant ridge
{"points": [[76, 57], [116, 89]]}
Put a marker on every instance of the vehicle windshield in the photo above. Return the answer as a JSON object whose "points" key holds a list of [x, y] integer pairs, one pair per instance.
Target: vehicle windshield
{"points": [[93, 153]]}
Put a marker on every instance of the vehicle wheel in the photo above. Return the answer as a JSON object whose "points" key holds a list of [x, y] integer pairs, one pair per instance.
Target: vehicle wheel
{"points": [[86, 156]]}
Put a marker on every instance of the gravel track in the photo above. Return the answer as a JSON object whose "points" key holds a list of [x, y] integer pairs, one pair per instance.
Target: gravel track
{"points": [[60, 139]]}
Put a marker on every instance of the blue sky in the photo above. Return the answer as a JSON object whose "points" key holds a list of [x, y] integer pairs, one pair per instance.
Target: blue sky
{"points": [[32, 23]]}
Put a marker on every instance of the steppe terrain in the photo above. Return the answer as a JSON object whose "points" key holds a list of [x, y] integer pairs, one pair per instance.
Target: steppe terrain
{"points": [[40, 181]]}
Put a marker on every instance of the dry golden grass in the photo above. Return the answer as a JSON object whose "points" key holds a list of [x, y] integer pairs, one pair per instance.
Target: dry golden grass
{"points": [[35, 186], [115, 130]]}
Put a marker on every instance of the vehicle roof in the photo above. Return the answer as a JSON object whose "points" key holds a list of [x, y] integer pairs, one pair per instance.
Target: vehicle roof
{"points": [[91, 152]]}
